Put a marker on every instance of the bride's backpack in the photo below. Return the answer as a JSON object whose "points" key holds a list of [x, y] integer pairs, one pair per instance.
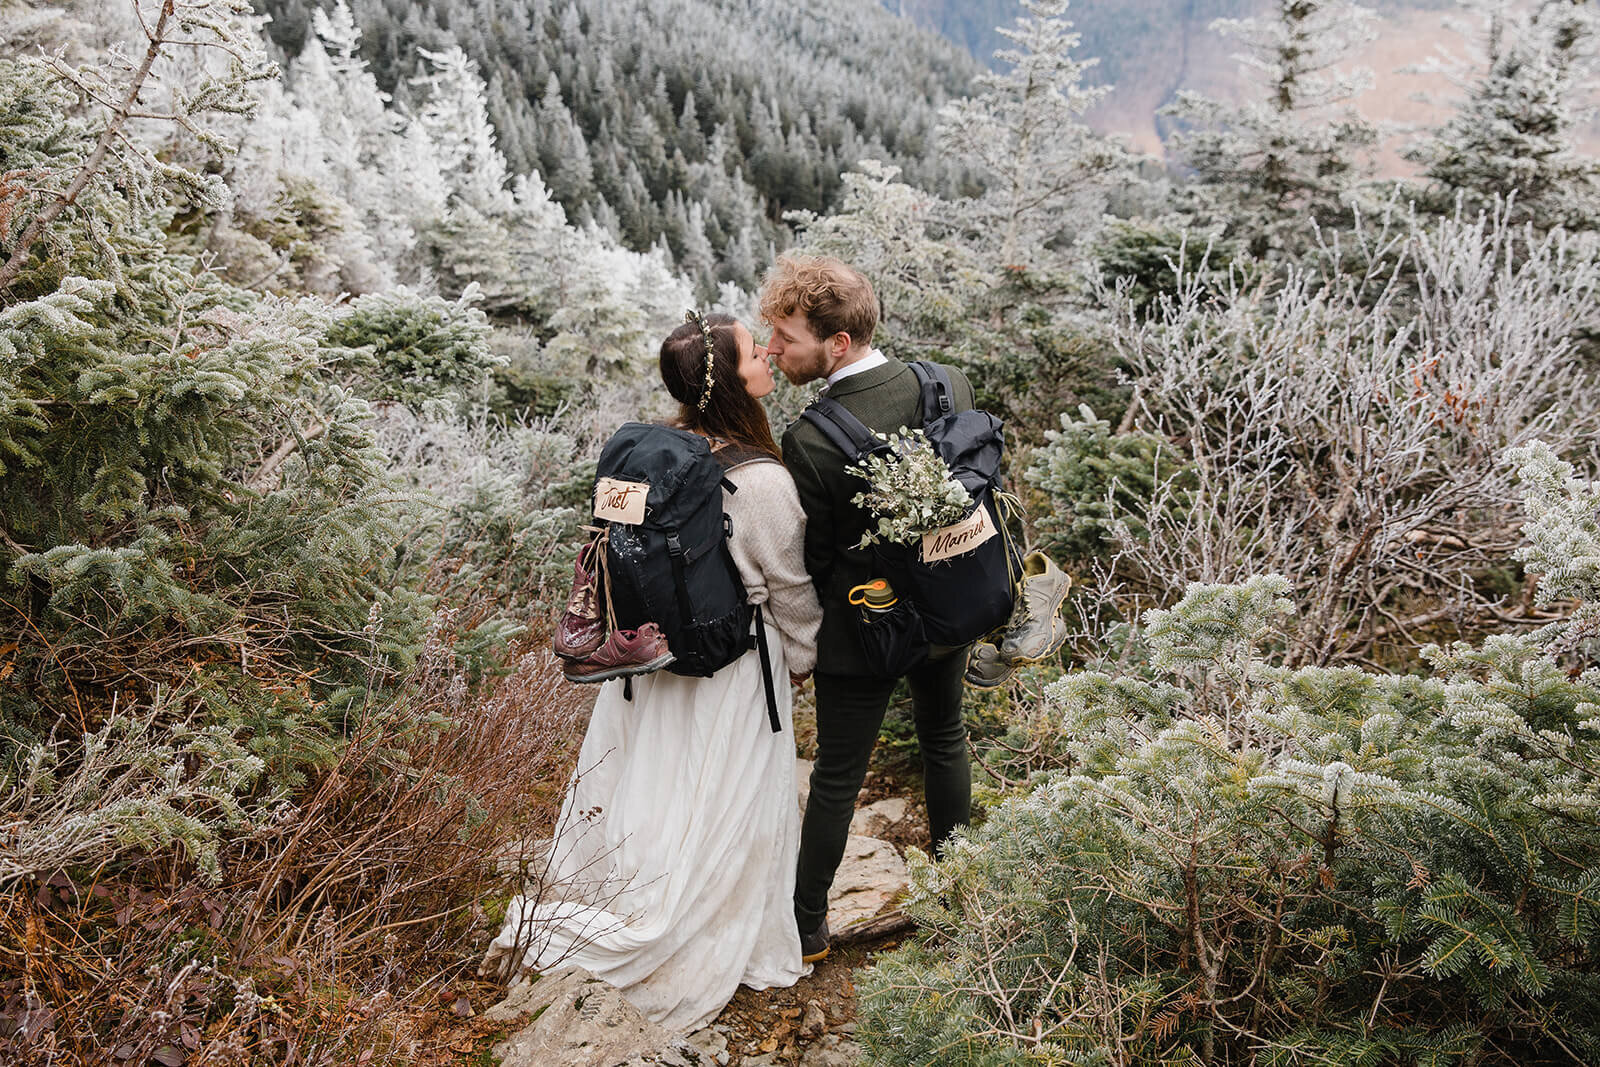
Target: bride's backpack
{"points": [[658, 507]]}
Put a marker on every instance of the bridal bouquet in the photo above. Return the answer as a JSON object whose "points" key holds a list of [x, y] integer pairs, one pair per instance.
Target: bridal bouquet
{"points": [[910, 491]]}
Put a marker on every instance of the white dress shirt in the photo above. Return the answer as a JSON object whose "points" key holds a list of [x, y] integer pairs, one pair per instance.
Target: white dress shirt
{"points": [[873, 358]]}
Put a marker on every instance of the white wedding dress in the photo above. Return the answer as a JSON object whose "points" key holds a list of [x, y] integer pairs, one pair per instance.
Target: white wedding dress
{"points": [[671, 874]]}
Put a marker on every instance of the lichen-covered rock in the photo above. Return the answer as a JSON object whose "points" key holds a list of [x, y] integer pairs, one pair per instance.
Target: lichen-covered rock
{"points": [[579, 1021]]}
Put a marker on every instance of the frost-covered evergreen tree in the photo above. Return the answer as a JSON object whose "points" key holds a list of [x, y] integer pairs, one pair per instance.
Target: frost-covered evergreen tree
{"points": [[1022, 135], [1514, 135], [190, 496], [598, 306], [924, 275], [457, 122], [1297, 151], [596, 96]]}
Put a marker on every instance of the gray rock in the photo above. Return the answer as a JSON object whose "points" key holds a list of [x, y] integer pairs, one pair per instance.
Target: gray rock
{"points": [[876, 818], [683, 1052], [580, 1022], [802, 781], [814, 1022], [872, 873], [843, 1054], [711, 1043], [871, 876]]}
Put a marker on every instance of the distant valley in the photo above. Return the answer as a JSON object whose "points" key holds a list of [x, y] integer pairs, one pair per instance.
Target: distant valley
{"points": [[1148, 49]]}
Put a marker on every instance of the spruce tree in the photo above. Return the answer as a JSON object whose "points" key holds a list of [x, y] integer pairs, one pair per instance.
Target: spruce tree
{"points": [[190, 500], [1513, 139], [1022, 135], [1299, 150]]}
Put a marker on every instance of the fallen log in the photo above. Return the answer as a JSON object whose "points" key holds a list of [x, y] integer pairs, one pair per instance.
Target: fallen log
{"points": [[876, 928]]}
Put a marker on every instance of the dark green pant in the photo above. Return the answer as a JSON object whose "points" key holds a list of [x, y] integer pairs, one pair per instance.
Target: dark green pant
{"points": [[849, 712]]}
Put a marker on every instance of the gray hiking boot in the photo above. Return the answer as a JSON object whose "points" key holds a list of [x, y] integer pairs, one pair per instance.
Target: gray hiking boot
{"points": [[986, 669], [1037, 630]]}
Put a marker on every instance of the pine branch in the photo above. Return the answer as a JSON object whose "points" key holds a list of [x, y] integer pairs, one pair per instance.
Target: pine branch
{"points": [[92, 165]]}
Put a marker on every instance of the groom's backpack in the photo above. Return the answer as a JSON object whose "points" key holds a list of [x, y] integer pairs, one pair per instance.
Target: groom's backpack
{"points": [[658, 497], [962, 580]]}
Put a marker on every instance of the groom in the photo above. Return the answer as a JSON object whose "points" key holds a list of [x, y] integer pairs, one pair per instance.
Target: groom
{"points": [[822, 314]]}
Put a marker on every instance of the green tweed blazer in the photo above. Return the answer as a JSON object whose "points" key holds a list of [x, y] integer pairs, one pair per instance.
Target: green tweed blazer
{"points": [[884, 398]]}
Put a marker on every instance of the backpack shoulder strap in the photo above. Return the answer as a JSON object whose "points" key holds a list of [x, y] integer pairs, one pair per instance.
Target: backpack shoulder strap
{"points": [[843, 430], [734, 455], [935, 383], [766, 672]]}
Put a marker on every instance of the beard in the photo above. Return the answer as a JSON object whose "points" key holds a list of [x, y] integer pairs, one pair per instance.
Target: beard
{"points": [[803, 368]]}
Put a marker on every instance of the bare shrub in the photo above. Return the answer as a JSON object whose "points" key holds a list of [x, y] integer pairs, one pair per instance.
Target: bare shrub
{"points": [[1342, 428]]}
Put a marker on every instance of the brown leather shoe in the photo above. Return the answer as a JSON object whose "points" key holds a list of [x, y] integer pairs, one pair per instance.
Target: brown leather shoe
{"points": [[582, 629], [624, 652]]}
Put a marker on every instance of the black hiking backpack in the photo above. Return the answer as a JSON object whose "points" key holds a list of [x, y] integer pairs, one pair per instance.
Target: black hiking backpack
{"points": [[967, 594], [658, 495]]}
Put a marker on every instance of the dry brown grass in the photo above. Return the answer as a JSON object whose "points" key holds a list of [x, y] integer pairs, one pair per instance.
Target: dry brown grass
{"points": [[336, 926]]}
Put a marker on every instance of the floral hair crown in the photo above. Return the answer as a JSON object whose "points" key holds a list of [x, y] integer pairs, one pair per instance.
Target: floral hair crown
{"points": [[705, 331]]}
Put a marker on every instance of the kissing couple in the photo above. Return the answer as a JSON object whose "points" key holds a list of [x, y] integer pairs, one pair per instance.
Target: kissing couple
{"points": [[681, 867]]}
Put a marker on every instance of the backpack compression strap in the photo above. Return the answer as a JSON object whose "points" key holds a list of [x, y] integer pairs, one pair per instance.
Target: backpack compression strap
{"points": [[935, 383], [849, 435]]}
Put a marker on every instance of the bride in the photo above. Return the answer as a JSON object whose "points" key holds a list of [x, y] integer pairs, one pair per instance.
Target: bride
{"points": [[671, 875]]}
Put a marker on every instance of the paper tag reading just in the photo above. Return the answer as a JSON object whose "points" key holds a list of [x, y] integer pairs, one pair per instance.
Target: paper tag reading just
{"points": [[619, 501], [964, 536]]}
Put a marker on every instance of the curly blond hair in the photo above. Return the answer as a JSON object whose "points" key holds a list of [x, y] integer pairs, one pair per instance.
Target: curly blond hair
{"points": [[833, 296]]}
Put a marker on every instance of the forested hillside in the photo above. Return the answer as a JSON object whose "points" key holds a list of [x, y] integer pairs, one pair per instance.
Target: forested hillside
{"points": [[693, 122], [1146, 49], [305, 367]]}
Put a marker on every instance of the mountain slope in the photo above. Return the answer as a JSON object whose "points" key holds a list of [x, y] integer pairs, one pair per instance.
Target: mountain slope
{"points": [[696, 122]]}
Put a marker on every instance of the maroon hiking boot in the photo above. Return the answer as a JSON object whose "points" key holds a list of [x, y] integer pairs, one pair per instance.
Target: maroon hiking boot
{"points": [[624, 652], [582, 629]]}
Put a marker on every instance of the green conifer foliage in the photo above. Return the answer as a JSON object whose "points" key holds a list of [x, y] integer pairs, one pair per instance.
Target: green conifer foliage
{"points": [[1094, 479], [189, 500], [417, 348], [1251, 863]]}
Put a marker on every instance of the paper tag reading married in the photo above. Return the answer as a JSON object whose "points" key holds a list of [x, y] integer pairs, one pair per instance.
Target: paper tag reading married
{"points": [[964, 536], [620, 501]]}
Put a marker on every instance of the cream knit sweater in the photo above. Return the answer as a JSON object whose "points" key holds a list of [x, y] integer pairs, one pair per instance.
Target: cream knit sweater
{"points": [[768, 546]]}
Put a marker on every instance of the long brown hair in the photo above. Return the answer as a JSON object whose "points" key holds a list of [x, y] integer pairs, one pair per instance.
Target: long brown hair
{"points": [[731, 412]]}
